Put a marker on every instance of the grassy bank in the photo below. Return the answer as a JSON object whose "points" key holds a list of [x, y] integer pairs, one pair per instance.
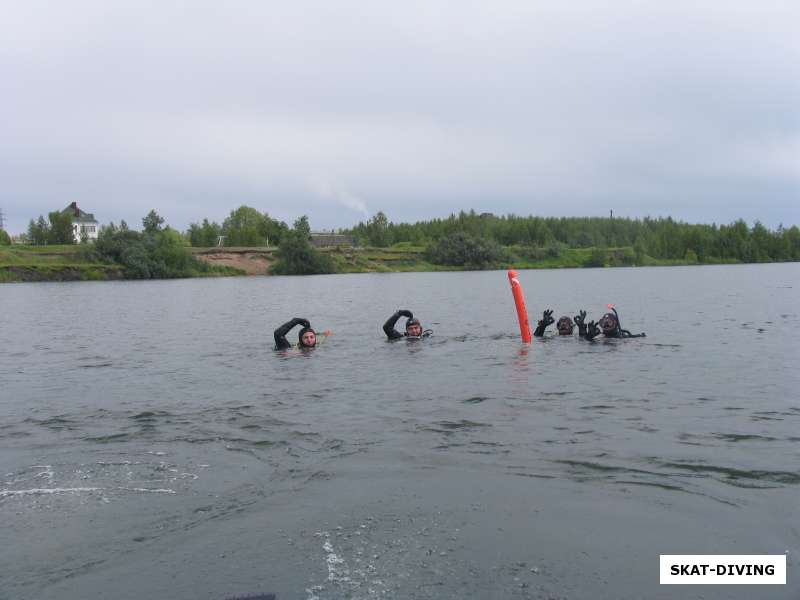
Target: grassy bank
{"points": [[51, 263], [68, 263]]}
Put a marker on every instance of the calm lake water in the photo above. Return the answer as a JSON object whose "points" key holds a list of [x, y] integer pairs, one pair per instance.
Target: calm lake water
{"points": [[152, 444]]}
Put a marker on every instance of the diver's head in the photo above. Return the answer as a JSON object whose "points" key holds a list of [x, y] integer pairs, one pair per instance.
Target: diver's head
{"points": [[564, 326], [413, 328], [608, 323], [307, 338]]}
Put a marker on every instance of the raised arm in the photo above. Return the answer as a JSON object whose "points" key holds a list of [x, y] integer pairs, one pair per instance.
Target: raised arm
{"points": [[580, 321], [280, 332], [547, 319], [388, 327]]}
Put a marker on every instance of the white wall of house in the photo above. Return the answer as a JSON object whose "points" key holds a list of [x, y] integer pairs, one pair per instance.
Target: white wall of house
{"points": [[90, 229]]}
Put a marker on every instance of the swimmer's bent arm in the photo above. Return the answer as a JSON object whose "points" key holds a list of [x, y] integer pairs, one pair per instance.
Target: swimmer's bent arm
{"points": [[388, 327], [280, 332]]}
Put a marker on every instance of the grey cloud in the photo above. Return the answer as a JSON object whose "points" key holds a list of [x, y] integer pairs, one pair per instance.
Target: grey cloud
{"points": [[343, 109]]}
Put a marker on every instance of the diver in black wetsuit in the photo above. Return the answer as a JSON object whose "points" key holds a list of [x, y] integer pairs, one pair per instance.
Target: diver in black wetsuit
{"points": [[306, 339], [413, 327], [610, 326]]}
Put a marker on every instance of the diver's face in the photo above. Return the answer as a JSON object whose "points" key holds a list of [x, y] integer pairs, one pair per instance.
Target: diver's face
{"points": [[564, 327], [608, 324], [309, 339], [414, 330]]}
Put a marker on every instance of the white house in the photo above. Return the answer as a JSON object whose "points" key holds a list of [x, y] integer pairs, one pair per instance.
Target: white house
{"points": [[82, 223]]}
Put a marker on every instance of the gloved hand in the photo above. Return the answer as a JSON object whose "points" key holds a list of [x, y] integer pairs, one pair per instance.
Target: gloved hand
{"points": [[592, 330], [302, 321], [547, 318], [405, 313], [579, 318]]}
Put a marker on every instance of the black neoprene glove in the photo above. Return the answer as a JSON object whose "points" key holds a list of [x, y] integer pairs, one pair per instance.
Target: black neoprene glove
{"points": [[592, 330], [580, 321], [302, 321], [405, 313], [547, 318]]}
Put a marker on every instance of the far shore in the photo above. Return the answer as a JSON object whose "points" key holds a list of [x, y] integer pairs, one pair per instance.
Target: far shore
{"points": [[64, 263]]}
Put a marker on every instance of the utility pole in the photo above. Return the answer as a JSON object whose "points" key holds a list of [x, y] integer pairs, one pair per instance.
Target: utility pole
{"points": [[2, 220]]}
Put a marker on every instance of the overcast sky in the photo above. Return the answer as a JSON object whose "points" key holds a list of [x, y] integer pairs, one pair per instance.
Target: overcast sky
{"points": [[341, 109]]}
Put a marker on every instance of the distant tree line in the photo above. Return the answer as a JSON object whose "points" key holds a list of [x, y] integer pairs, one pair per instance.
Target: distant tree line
{"points": [[662, 238], [465, 239]]}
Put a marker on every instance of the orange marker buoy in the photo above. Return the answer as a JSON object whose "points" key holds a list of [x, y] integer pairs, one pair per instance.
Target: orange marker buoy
{"points": [[519, 301]]}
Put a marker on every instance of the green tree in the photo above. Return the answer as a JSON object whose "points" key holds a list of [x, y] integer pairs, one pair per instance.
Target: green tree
{"points": [[152, 222], [38, 231], [204, 235], [597, 258], [60, 228], [462, 249], [793, 238], [244, 227], [5, 239], [296, 255], [378, 230], [639, 251], [762, 242], [302, 227], [169, 255], [272, 230]]}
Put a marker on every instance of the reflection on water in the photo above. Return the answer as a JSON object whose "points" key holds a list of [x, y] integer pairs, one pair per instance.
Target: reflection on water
{"points": [[158, 412]]}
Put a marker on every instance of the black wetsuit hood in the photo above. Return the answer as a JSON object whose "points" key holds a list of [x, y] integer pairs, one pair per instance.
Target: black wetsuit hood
{"points": [[564, 323], [609, 323]]}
